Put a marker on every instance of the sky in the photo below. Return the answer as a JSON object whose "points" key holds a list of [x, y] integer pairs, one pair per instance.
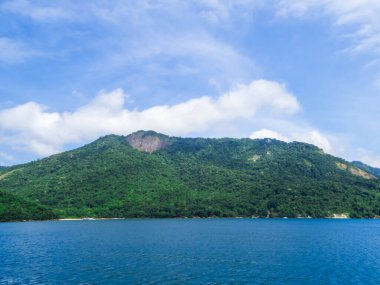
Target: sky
{"points": [[296, 70]]}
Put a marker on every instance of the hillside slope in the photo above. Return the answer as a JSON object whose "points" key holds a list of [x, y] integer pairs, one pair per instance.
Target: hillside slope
{"points": [[152, 175], [15, 208], [372, 170]]}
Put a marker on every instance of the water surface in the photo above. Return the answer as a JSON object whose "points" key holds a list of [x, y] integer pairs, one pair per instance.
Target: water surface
{"points": [[191, 251]]}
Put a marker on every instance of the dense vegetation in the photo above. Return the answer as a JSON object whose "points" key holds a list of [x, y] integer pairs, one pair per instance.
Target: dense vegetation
{"points": [[2, 168], [196, 177], [15, 208]]}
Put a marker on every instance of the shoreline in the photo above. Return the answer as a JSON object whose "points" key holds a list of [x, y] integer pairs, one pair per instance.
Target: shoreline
{"points": [[86, 219], [200, 218], [195, 218]]}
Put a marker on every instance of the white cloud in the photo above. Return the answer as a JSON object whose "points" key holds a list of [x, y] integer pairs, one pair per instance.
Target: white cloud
{"points": [[359, 19], [311, 136], [316, 138], [367, 157], [33, 128], [213, 11], [219, 11], [35, 11], [187, 53], [154, 48], [15, 52], [265, 133], [6, 156], [356, 22]]}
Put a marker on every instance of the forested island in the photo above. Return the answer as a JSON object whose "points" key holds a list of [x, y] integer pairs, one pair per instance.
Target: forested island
{"points": [[147, 174]]}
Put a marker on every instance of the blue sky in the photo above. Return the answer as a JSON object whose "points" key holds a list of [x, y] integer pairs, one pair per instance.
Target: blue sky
{"points": [[71, 71]]}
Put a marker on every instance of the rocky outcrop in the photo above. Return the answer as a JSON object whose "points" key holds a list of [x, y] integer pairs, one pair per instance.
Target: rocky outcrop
{"points": [[148, 141], [355, 171], [361, 173]]}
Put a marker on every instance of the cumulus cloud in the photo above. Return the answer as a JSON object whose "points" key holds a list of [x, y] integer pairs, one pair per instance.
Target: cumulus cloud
{"points": [[32, 127], [311, 136], [314, 137], [265, 133]]}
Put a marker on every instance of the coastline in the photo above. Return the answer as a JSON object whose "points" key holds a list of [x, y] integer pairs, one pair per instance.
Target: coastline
{"points": [[334, 217], [86, 219]]}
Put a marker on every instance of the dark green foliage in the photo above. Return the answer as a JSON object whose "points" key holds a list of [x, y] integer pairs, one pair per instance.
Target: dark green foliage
{"points": [[3, 169], [195, 177], [15, 208], [373, 170]]}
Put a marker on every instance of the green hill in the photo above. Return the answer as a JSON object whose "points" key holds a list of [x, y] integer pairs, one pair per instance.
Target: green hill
{"points": [[152, 175]]}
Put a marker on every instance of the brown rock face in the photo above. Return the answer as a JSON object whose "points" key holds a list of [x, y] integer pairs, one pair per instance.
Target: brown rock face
{"points": [[361, 173], [147, 141]]}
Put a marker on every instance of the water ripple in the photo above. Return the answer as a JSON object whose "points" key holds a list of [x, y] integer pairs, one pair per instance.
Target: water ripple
{"points": [[210, 251]]}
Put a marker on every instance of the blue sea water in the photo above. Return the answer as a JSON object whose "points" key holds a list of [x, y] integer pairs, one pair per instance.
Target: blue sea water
{"points": [[191, 251]]}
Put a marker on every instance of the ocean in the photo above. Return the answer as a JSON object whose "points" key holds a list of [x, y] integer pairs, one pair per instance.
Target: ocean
{"points": [[191, 251]]}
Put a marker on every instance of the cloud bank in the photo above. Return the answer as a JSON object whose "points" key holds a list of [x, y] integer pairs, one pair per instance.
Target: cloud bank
{"points": [[32, 127]]}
